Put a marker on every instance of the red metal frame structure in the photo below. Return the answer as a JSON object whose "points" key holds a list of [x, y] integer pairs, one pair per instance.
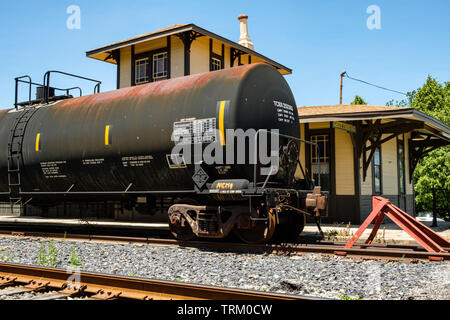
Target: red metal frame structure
{"points": [[382, 207]]}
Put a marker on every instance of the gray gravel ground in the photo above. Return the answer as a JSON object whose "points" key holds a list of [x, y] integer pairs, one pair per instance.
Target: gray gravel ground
{"points": [[311, 274]]}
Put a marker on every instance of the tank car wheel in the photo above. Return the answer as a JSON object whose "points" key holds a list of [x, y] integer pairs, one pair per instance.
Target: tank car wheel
{"points": [[179, 227], [261, 231], [291, 228]]}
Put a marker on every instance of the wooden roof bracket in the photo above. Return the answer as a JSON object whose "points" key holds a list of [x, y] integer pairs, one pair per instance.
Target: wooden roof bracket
{"points": [[373, 131], [235, 54], [188, 37], [114, 54], [419, 149]]}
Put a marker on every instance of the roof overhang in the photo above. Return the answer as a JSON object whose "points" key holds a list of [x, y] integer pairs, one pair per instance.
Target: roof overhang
{"points": [[104, 53], [377, 125], [431, 124]]}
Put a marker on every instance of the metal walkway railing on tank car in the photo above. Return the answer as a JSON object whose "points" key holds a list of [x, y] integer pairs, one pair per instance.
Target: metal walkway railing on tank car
{"points": [[46, 88]]}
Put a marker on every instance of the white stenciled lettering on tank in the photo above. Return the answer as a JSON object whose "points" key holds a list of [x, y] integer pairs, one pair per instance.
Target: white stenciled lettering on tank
{"points": [[88, 162], [285, 112], [194, 131], [52, 170], [136, 161]]}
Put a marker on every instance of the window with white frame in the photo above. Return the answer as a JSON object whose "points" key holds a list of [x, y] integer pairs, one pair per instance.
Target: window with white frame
{"points": [[216, 64], [160, 66], [142, 71], [320, 161], [322, 141]]}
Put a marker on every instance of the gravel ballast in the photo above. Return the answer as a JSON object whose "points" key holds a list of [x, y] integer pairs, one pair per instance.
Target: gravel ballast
{"points": [[310, 274]]}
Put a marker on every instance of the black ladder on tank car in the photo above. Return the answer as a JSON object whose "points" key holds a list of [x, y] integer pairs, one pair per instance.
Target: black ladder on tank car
{"points": [[15, 156]]}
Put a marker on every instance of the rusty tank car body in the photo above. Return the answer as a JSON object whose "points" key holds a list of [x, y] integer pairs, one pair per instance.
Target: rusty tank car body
{"points": [[116, 148]]}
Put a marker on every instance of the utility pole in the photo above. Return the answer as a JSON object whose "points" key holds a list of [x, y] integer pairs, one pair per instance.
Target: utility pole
{"points": [[342, 84]]}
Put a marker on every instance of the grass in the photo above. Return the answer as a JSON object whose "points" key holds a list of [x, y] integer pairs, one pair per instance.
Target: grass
{"points": [[75, 261], [333, 234], [380, 238], [345, 297], [48, 255], [5, 255]]}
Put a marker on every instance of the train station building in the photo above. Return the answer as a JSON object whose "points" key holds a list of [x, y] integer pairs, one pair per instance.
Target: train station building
{"points": [[367, 151], [364, 150]]}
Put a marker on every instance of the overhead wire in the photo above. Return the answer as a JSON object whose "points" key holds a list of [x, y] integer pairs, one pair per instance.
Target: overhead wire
{"points": [[374, 85]]}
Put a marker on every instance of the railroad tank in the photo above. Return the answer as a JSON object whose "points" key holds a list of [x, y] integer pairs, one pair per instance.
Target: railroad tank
{"points": [[117, 144]]}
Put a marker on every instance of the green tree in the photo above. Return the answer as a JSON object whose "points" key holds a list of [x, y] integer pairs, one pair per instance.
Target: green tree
{"points": [[396, 103], [433, 99], [433, 171], [358, 101]]}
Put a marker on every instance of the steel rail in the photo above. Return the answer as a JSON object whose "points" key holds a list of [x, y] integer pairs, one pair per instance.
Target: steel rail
{"points": [[106, 287], [383, 251]]}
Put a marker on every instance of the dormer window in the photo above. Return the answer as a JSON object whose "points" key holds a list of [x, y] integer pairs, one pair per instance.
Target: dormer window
{"points": [[160, 66], [142, 71], [151, 66]]}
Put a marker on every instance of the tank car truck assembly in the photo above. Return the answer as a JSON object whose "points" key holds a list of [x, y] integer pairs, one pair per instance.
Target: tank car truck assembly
{"points": [[127, 148]]}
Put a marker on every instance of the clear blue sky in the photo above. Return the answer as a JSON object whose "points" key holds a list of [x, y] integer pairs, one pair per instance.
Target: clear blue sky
{"points": [[317, 39]]}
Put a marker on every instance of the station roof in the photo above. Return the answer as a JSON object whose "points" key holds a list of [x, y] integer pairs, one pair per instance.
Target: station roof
{"points": [[367, 112], [104, 53]]}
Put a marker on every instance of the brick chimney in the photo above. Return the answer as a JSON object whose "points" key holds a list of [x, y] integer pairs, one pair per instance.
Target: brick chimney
{"points": [[244, 39]]}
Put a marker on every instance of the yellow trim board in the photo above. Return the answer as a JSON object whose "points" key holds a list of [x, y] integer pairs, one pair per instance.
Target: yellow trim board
{"points": [[221, 122], [107, 135], [38, 138]]}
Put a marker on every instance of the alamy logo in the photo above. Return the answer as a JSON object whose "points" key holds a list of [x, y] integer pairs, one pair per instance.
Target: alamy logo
{"points": [[74, 20], [242, 147], [74, 280], [374, 20]]}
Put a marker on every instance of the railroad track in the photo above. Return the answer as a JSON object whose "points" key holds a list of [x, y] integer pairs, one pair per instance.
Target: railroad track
{"points": [[379, 251], [57, 284]]}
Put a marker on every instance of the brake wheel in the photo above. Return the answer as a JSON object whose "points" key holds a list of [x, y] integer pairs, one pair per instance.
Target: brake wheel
{"points": [[289, 160]]}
